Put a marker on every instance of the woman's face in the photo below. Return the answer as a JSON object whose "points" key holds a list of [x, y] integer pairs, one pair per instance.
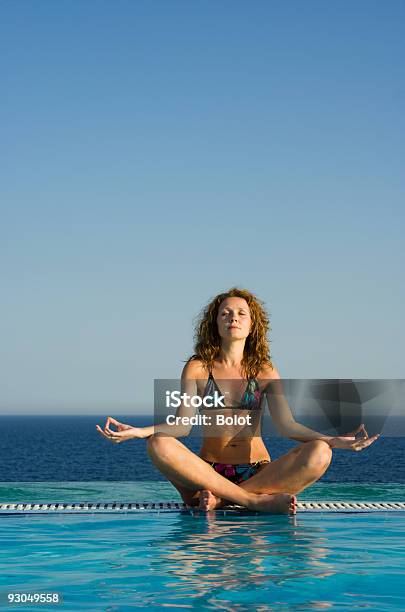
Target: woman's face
{"points": [[234, 321]]}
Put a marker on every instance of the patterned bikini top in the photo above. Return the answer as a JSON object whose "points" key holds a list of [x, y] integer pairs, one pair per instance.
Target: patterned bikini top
{"points": [[251, 398]]}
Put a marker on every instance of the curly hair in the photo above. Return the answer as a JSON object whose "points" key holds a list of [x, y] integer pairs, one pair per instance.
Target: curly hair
{"points": [[207, 341]]}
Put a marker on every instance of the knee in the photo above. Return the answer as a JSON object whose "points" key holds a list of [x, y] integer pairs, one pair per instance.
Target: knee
{"points": [[317, 455], [156, 444]]}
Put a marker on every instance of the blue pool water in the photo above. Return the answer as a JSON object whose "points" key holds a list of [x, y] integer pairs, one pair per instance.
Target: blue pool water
{"points": [[261, 562], [214, 562]]}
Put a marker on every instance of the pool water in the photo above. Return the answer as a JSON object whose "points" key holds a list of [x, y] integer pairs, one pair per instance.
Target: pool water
{"points": [[215, 562]]}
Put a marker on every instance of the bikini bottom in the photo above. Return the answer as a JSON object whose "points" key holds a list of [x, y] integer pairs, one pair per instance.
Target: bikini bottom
{"points": [[239, 472]]}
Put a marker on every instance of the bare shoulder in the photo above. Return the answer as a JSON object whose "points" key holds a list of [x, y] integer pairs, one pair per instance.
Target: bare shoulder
{"points": [[270, 372], [193, 369]]}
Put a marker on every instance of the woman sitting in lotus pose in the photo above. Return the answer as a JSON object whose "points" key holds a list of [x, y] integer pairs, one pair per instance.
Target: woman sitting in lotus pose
{"points": [[232, 358]]}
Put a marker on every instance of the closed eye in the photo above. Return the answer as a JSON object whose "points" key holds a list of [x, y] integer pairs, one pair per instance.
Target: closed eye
{"points": [[242, 312]]}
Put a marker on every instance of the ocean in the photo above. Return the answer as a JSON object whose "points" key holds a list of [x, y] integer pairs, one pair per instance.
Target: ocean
{"points": [[69, 448]]}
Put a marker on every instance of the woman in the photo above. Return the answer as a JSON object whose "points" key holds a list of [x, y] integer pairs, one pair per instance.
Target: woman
{"points": [[233, 464]]}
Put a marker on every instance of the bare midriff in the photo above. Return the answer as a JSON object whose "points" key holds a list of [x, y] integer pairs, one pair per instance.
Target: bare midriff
{"points": [[227, 451], [235, 444]]}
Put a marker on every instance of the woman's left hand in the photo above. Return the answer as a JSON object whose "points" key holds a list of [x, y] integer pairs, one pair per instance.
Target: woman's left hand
{"points": [[350, 442]]}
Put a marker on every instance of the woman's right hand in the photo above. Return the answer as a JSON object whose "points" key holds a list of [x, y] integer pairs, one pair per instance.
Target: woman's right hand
{"points": [[124, 432], [119, 426]]}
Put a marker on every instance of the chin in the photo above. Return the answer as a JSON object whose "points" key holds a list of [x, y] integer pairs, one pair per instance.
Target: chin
{"points": [[236, 333]]}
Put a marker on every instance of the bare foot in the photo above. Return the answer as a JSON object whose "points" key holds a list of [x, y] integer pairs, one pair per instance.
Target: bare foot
{"points": [[278, 503], [208, 501]]}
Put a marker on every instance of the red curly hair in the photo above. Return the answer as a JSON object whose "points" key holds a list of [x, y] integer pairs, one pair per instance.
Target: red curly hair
{"points": [[207, 341]]}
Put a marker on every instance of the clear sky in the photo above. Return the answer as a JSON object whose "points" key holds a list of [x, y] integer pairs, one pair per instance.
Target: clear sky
{"points": [[157, 153]]}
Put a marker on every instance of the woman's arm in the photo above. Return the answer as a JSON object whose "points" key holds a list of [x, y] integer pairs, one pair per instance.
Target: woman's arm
{"points": [[287, 426], [282, 416], [189, 386], [299, 432]]}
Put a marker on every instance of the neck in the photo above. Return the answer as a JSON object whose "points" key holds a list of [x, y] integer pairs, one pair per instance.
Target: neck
{"points": [[231, 353]]}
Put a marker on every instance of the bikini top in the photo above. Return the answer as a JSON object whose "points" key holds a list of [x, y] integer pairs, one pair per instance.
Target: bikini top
{"points": [[251, 398]]}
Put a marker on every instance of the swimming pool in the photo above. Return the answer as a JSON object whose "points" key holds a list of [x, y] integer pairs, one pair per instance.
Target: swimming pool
{"points": [[216, 562]]}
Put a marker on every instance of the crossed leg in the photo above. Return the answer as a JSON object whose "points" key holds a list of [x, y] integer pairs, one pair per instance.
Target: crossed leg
{"points": [[272, 491], [291, 473]]}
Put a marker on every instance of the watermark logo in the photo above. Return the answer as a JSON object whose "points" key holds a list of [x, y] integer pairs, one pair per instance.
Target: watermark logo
{"points": [[174, 399]]}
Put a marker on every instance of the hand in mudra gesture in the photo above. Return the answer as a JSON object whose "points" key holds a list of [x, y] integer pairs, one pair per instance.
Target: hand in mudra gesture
{"points": [[123, 432], [350, 442]]}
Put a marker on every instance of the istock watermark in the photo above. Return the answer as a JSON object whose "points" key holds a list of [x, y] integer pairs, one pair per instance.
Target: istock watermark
{"points": [[206, 420], [254, 408], [175, 399]]}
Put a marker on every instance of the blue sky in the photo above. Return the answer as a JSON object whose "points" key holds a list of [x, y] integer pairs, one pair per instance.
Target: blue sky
{"points": [[157, 153]]}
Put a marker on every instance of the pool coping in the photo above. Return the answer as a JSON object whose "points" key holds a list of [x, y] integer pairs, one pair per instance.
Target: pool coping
{"points": [[12, 508]]}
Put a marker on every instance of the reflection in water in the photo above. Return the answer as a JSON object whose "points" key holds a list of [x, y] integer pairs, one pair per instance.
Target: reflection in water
{"points": [[214, 562], [208, 555]]}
